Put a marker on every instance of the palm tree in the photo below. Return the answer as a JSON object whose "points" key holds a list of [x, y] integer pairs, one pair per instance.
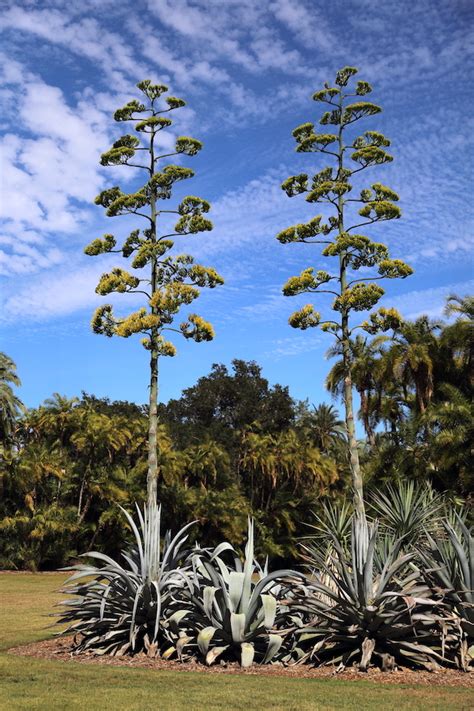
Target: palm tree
{"points": [[301, 464], [324, 427], [258, 458], [58, 418], [365, 369], [60, 403], [11, 406], [413, 355], [452, 450], [458, 337], [95, 442], [205, 461]]}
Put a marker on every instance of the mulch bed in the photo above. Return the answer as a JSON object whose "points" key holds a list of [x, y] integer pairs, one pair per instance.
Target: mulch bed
{"points": [[60, 648]]}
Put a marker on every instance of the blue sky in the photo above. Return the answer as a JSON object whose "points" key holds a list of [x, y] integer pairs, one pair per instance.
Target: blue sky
{"points": [[247, 69]]}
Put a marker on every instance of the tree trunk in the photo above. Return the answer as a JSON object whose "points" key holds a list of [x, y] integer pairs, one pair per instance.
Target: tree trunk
{"points": [[357, 486], [85, 509], [81, 494], [364, 406], [152, 477]]}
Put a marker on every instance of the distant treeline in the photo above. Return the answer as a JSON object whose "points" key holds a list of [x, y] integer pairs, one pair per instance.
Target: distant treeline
{"points": [[233, 446]]}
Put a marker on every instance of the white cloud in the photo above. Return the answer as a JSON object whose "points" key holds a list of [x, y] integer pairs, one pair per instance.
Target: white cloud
{"points": [[83, 36], [429, 302], [295, 345], [52, 295], [23, 258], [306, 24], [50, 171], [62, 291], [242, 62]]}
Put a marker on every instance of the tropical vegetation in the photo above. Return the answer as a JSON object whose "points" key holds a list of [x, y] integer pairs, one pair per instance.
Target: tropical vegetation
{"points": [[358, 552]]}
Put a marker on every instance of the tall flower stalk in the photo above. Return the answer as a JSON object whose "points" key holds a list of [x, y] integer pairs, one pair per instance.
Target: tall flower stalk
{"points": [[332, 187]]}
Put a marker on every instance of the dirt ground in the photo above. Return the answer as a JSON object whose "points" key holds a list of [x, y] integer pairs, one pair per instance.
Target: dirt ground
{"points": [[61, 649]]}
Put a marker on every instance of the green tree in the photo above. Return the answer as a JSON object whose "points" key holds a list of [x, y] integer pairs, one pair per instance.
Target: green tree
{"points": [[458, 337], [452, 429], [331, 187], [413, 354], [365, 371], [11, 406], [322, 425], [222, 404], [165, 282]]}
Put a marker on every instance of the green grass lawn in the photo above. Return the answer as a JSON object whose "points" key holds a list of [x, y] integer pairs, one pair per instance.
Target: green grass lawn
{"points": [[27, 683]]}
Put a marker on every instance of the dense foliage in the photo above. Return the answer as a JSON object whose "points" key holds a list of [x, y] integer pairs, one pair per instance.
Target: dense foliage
{"points": [[416, 399], [234, 446], [249, 449], [370, 596]]}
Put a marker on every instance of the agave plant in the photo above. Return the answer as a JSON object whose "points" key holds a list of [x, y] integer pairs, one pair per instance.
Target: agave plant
{"points": [[448, 566], [334, 520], [239, 609], [378, 609], [134, 606], [408, 509]]}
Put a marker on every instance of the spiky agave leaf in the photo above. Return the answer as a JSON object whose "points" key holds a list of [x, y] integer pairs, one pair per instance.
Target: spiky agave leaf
{"points": [[375, 607], [448, 568], [408, 509], [118, 609], [239, 609]]}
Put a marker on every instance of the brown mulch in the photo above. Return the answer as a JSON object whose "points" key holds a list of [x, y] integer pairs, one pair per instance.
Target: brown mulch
{"points": [[61, 648]]}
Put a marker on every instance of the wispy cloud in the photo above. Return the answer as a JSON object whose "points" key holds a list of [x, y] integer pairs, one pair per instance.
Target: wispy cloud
{"points": [[297, 344], [429, 302], [242, 64]]}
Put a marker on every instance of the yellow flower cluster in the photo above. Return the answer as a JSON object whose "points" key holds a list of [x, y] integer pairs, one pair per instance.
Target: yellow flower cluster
{"points": [[197, 329], [360, 297], [305, 318]]}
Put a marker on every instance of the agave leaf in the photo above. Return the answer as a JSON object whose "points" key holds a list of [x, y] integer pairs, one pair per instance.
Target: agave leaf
{"points": [[158, 609], [248, 566], [180, 644], [247, 654], [177, 616], [131, 563], [174, 541], [134, 613], [223, 569], [236, 590], [391, 567], [218, 550], [101, 556], [168, 653], [204, 639], [265, 584], [104, 600], [209, 594], [136, 533], [274, 643], [461, 554], [212, 655], [270, 606], [368, 566], [237, 623]]}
